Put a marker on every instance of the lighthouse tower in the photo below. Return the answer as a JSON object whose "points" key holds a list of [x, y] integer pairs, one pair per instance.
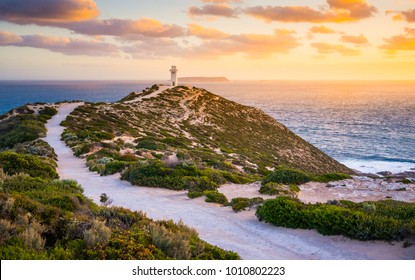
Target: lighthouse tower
{"points": [[174, 80]]}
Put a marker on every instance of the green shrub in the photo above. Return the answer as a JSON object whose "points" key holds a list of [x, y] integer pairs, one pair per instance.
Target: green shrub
{"points": [[194, 194], [182, 176], [241, 203], [363, 221], [20, 129], [215, 197], [36, 147], [330, 177], [13, 163], [115, 166], [279, 189], [199, 184], [147, 144], [294, 188], [285, 212], [287, 176], [406, 181], [49, 111]]}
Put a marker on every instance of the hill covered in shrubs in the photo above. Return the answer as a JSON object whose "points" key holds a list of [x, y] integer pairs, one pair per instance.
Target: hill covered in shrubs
{"points": [[187, 138]]}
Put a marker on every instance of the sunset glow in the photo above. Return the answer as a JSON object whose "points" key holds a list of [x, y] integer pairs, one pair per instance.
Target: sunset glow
{"points": [[239, 39]]}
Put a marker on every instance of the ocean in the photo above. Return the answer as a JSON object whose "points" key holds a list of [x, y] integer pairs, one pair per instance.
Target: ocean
{"points": [[367, 125]]}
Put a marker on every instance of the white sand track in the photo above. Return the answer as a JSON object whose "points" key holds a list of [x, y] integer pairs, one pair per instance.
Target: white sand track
{"points": [[220, 226]]}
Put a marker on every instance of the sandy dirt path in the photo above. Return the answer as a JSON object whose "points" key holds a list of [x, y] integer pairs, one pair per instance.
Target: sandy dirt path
{"points": [[220, 226]]}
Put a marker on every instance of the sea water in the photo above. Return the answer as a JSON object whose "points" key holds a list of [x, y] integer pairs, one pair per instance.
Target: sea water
{"points": [[369, 126]]}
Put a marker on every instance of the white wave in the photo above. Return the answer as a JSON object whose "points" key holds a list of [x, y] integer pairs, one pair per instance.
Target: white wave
{"points": [[374, 166]]}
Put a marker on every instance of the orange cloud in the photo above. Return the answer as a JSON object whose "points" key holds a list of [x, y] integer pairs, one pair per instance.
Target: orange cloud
{"points": [[64, 45], [322, 30], [357, 40], [324, 48], [405, 42], [8, 39], [126, 28], [214, 10], [251, 45], [408, 15], [335, 11], [45, 12], [205, 33], [221, 1]]}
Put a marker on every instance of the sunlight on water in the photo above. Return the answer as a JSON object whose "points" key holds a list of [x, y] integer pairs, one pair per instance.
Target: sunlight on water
{"points": [[370, 121], [350, 121]]}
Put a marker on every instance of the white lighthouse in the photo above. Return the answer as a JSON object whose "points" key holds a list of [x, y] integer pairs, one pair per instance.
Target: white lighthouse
{"points": [[174, 80]]}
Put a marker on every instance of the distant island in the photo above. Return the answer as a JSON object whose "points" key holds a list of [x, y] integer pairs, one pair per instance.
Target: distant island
{"points": [[203, 79]]}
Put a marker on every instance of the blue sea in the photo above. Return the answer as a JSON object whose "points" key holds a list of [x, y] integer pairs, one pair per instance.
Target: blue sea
{"points": [[369, 126]]}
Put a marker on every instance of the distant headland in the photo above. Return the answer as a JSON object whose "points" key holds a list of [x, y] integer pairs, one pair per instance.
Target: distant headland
{"points": [[203, 79]]}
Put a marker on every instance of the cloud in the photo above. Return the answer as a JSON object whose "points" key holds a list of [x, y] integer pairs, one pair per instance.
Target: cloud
{"points": [[8, 39], [221, 1], [324, 48], [335, 11], [64, 45], [322, 30], [357, 40], [79, 16], [146, 49], [214, 10], [408, 15], [47, 12], [126, 28], [205, 33], [405, 42], [250, 45]]}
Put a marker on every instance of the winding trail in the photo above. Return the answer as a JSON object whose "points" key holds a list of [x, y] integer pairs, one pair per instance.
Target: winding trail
{"points": [[220, 226]]}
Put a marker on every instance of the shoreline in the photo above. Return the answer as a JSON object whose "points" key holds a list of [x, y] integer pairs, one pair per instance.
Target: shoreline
{"points": [[377, 166], [239, 232]]}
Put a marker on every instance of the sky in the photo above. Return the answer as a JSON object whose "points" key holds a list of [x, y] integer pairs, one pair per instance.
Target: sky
{"points": [[238, 39]]}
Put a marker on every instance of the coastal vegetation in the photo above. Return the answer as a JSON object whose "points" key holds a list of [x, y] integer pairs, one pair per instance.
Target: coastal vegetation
{"points": [[22, 125], [241, 203], [380, 220], [42, 217], [188, 139]]}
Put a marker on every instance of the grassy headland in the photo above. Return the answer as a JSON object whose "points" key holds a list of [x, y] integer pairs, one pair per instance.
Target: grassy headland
{"points": [[188, 138]]}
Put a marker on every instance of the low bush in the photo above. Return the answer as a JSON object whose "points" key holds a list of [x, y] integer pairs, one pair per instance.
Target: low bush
{"points": [[330, 177], [13, 163], [194, 194], [49, 111], [241, 203], [36, 147], [279, 189], [215, 197], [20, 129], [381, 220], [406, 181], [287, 176], [147, 144], [155, 173], [115, 167]]}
